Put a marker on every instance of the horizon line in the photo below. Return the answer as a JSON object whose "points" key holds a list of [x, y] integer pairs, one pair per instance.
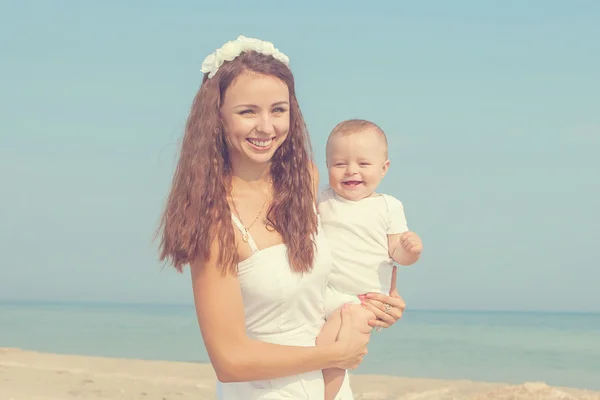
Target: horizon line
{"points": [[180, 304]]}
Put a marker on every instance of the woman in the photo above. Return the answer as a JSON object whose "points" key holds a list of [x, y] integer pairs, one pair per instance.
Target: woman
{"points": [[241, 213]]}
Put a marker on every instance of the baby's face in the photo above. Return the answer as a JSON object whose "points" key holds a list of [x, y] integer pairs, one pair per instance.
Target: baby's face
{"points": [[356, 163]]}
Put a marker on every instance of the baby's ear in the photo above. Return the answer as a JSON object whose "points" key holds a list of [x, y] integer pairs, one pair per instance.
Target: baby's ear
{"points": [[386, 166]]}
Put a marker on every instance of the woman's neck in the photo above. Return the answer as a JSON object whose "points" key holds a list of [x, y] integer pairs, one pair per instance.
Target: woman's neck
{"points": [[250, 175]]}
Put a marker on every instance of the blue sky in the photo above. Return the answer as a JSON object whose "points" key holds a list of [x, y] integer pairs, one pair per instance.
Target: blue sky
{"points": [[492, 110]]}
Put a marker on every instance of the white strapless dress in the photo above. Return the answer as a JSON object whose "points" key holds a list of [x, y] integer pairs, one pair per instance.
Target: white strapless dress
{"points": [[287, 308]]}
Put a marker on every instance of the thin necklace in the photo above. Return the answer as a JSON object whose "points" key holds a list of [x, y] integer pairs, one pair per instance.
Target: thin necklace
{"points": [[246, 233]]}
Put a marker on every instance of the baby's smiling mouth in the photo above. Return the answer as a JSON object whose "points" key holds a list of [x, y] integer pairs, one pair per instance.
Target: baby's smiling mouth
{"points": [[352, 183]]}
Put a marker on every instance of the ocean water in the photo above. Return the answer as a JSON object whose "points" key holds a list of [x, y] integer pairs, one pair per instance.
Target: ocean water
{"points": [[559, 349]]}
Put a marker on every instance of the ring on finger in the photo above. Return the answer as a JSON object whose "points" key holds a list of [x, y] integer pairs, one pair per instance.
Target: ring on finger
{"points": [[386, 308]]}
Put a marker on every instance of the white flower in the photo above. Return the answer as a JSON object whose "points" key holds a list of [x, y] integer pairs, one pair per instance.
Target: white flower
{"points": [[229, 51], [268, 48], [234, 48], [210, 64]]}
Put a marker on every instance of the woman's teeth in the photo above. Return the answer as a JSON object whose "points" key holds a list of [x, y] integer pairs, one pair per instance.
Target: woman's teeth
{"points": [[260, 143]]}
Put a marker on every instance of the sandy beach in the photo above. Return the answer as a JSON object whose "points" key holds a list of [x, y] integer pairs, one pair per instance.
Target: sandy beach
{"points": [[28, 375]]}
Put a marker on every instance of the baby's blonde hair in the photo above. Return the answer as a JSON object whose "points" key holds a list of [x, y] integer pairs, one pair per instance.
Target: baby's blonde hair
{"points": [[353, 126]]}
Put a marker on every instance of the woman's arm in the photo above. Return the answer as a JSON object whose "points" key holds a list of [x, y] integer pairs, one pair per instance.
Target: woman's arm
{"points": [[237, 358]]}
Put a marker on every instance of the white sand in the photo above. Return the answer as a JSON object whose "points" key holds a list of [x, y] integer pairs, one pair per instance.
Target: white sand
{"points": [[28, 375]]}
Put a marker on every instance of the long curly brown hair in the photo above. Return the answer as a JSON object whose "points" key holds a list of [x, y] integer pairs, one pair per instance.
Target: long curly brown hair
{"points": [[197, 210]]}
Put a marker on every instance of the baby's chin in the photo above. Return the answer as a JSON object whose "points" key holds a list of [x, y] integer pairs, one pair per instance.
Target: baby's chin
{"points": [[354, 193]]}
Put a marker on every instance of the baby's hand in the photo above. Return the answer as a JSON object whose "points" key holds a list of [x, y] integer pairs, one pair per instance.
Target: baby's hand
{"points": [[411, 242]]}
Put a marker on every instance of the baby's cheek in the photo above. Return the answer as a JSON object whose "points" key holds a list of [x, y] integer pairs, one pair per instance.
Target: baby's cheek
{"points": [[334, 177]]}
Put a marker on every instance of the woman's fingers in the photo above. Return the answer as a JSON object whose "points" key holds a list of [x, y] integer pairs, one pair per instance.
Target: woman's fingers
{"points": [[378, 310], [378, 324], [387, 309], [394, 301]]}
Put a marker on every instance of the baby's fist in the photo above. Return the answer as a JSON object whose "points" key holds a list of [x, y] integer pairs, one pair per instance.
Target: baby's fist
{"points": [[411, 242]]}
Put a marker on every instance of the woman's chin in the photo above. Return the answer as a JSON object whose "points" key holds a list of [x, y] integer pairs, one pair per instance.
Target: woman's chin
{"points": [[259, 158]]}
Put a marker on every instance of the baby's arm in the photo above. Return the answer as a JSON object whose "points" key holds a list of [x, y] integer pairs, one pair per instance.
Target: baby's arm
{"points": [[404, 246]]}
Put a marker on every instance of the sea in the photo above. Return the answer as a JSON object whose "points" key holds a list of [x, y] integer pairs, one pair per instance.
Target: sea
{"points": [[560, 349]]}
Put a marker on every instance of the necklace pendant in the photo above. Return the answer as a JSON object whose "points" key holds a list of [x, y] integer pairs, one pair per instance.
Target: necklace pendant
{"points": [[245, 236]]}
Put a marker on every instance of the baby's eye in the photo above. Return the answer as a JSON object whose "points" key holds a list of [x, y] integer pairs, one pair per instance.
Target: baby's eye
{"points": [[340, 164], [364, 164]]}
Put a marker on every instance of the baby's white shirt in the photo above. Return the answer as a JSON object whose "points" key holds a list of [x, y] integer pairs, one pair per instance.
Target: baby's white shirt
{"points": [[357, 235]]}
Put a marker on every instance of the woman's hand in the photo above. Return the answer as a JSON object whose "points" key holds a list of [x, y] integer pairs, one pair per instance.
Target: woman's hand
{"points": [[387, 309], [352, 344]]}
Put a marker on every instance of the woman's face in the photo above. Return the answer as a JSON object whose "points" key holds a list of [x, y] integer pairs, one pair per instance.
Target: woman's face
{"points": [[255, 116]]}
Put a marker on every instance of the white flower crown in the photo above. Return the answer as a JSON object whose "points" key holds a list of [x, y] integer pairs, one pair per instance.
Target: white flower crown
{"points": [[234, 48]]}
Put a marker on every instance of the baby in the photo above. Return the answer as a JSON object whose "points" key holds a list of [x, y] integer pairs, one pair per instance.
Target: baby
{"points": [[366, 230]]}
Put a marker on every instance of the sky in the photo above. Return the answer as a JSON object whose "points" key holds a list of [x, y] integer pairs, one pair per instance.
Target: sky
{"points": [[492, 111]]}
